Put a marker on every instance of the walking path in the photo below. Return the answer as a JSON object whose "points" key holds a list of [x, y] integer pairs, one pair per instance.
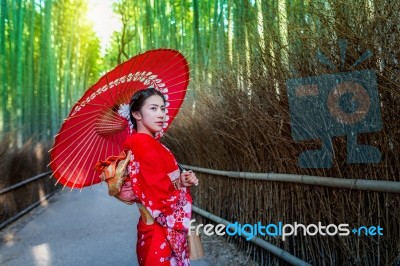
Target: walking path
{"points": [[85, 227]]}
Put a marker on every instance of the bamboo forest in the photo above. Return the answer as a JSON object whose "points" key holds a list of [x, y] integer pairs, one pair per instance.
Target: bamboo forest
{"points": [[292, 88]]}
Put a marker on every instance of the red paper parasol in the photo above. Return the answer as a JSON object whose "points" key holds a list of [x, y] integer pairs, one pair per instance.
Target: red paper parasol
{"points": [[96, 127]]}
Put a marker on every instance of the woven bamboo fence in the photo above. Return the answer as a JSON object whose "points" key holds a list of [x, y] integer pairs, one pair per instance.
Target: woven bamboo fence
{"points": [[240, 121], [17, 165], [234, 135]]}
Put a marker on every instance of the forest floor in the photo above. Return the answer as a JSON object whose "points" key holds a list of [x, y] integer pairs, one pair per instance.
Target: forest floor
{"points": [[218, 251]]}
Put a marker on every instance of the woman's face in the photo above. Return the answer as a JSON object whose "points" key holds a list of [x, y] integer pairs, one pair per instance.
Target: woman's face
{"points": [[150, 118]]}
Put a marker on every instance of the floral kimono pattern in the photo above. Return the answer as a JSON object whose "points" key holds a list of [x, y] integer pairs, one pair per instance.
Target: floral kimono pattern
{"points": [[153, 173]]}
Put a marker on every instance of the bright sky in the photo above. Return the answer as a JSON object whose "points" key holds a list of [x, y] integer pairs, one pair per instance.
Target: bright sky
{"points": [[105, 21]]}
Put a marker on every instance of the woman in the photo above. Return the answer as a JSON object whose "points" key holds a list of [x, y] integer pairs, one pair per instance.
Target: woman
{"points": [[161, 190]]}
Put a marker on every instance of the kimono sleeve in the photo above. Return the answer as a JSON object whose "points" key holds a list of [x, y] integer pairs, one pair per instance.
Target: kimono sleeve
{"points": [[168, 206]]}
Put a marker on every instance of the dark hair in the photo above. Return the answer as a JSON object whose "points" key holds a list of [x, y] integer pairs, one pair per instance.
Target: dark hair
{"points": [[138, 100]]}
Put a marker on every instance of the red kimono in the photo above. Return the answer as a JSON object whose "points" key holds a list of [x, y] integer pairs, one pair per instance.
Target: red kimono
{"points": [[153, 171]]}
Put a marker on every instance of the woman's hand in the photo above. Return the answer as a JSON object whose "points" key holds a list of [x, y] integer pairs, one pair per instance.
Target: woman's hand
{"points": [[188, 178]]}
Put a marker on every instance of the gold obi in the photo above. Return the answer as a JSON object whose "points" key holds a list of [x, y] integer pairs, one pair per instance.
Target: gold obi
{"points": [[113, 171], [145, 215]]}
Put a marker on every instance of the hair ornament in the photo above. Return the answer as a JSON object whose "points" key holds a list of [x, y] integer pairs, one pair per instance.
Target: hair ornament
{"points": [[124, 111]]}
